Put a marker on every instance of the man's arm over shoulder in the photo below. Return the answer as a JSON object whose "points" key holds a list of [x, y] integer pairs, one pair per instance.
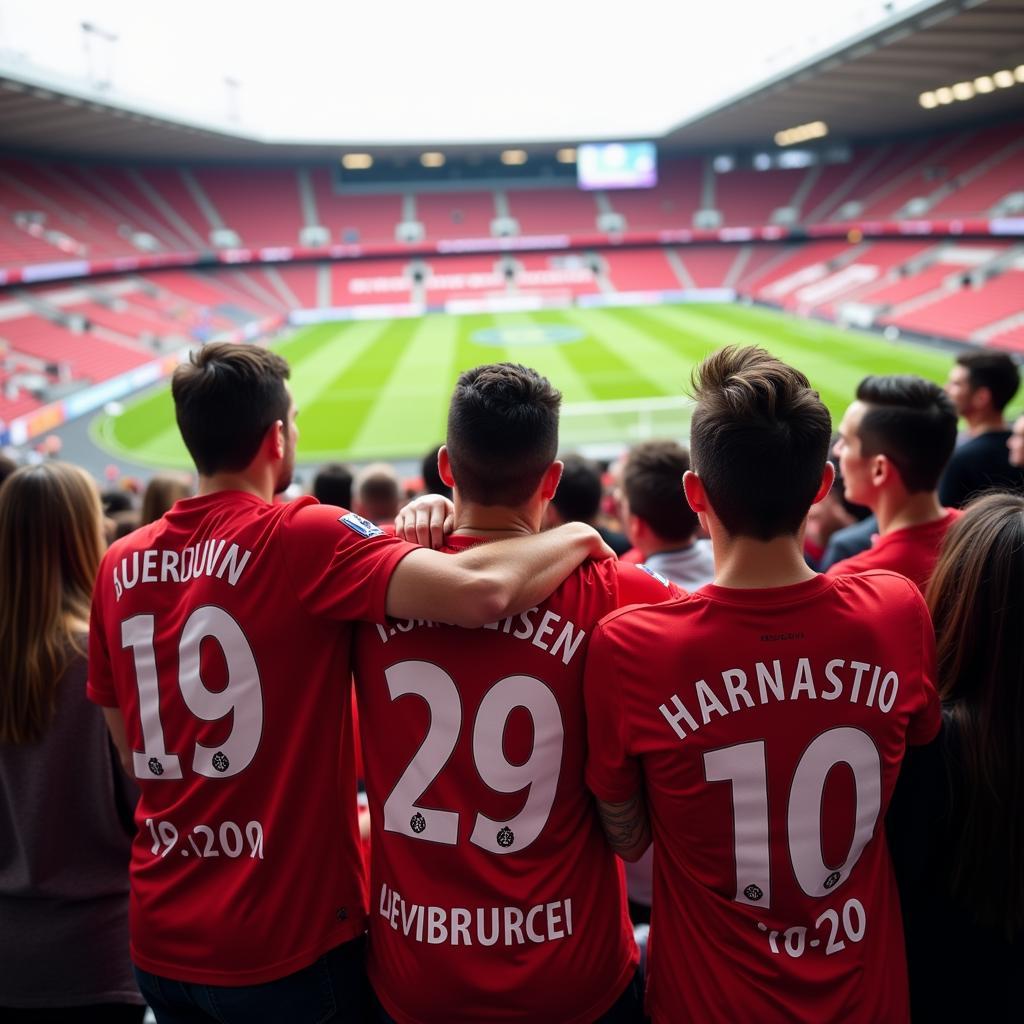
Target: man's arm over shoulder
{"points": [[489, 581], [613, 774]]}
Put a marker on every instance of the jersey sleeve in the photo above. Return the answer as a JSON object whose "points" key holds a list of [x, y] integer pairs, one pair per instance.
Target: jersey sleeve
{"points": [[925, 711], [339, 564], [100, 685], [612, 774]]}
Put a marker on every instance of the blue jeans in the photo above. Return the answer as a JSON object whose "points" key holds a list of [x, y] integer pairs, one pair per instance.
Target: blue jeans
{"points": [[333, 990]]}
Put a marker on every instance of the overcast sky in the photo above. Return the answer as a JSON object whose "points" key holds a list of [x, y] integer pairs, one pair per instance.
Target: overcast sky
{"points": [[443, 71]]}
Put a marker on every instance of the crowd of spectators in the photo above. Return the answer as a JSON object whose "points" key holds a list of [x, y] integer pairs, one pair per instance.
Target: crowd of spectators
{"points": [[910, 496]]}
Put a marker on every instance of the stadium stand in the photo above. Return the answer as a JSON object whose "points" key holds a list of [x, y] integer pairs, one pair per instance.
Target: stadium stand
{"points": [[545, 211], [671, 205], [641, 270], [353, 218], [967, 309], [456, 214], [239, 197]]}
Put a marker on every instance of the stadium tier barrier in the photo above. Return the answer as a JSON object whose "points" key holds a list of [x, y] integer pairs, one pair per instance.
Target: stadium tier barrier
{"points": [[34, 273]]}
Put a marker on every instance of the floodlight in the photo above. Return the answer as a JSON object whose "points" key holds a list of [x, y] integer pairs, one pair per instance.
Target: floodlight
{"points": [[928, 100], [984, 84], [357, 161], [1018, 73], [432, 159], [801, 133], [566, 155], [513, 157], [1004, 79], [963, 91], [944, 95]]}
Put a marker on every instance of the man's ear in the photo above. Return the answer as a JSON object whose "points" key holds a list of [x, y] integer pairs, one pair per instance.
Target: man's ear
{"points": [[828, 478], [693, 488], [444, 466], [882, 470], [274, 442], [551, 479]]}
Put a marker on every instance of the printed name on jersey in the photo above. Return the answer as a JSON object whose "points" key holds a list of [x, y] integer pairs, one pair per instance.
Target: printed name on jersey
{"points": [[484, 926], [157, 565], [566, 636], [653, 573], [360, 525], [769, 682]]}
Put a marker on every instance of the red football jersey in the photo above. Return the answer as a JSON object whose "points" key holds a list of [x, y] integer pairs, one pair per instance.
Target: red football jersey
{"points": [[493, 894], [768, 727], [912, 551], [220, 632]]}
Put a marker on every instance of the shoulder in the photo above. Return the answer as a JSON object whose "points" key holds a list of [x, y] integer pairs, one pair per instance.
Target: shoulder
{"points": [[641, 618], [137, 540], [882, 586]]}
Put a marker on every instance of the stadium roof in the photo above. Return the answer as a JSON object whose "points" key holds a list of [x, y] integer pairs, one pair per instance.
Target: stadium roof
{"points": [[866, 87]]}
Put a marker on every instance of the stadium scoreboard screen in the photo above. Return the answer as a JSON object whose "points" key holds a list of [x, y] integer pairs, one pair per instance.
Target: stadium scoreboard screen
{"points": [[617, 165]]}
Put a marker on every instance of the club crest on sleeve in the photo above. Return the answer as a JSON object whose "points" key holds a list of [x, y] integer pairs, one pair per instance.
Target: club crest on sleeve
{"points": [[654, 574], [360, 525]]}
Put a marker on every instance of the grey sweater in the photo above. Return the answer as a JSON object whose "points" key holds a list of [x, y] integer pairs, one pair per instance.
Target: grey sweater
{"points": [[65, 840]]}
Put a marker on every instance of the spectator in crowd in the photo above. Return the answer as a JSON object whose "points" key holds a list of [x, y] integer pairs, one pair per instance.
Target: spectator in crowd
{"points": [[116, 500], [332, 485], [377, 493], [509, 699], [726, 712], [663, 528], [659, 522], [957, 820], [830, 522], [231, 617], [1015, 444], [981, 385], [894, 442], [578, 500], [432, 482], [7, 467], [65, 804], [162, 491]]}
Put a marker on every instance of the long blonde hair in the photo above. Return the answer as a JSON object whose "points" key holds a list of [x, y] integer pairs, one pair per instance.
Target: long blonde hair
{"points": [[50, 549]]}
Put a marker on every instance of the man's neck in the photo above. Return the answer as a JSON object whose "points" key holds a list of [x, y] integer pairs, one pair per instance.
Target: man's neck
{"points": [[249, 483], [743, 563], [897, 512], [494, 522], [985, 423]]}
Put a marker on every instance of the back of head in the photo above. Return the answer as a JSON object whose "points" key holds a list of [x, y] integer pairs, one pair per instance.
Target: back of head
{"points": [[976, 596], [995, 371], [578, 498], [912, 422], [162, 491], [50, 549], [502, 433], [653, 482], [226, 397], [759, 439], [332, 485], [377, 492]]}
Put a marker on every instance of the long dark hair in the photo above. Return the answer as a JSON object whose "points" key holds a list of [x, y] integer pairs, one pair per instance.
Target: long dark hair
{"points": [[50, 550], [976, 598]]}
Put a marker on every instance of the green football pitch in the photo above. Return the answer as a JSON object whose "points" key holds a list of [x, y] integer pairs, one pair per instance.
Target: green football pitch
{"points": [[380, 389]]}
